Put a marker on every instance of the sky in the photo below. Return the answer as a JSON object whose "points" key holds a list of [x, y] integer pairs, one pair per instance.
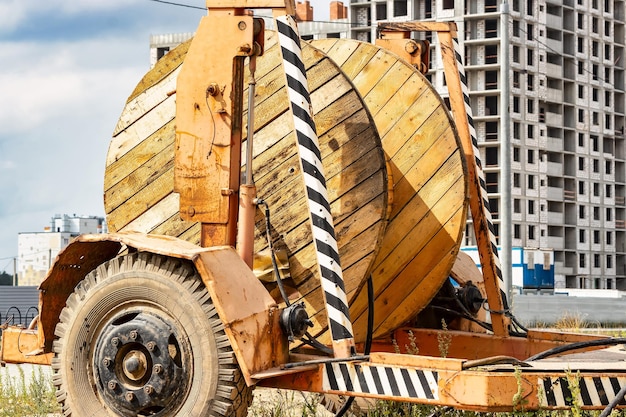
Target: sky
{"points": [[66, 70]]}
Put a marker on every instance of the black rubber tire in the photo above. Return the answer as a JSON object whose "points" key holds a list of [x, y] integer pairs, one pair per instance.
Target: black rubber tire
{"points": [[172, 288]]}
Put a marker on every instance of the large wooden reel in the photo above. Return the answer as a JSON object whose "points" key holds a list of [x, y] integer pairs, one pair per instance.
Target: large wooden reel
{"points": [[430, 186], [415, 180]]}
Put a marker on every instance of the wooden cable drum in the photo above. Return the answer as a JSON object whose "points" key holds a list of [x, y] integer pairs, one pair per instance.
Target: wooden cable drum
{"points": [[395, 173], [139, 169], [430, 185]]}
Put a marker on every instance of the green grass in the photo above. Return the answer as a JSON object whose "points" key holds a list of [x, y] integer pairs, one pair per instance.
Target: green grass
{"points": [[19, 398]]}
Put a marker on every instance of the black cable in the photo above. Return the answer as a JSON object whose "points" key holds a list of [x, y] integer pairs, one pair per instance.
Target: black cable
{"points": [[268, 233], [609, 408], [610, 341], [171, 3]]}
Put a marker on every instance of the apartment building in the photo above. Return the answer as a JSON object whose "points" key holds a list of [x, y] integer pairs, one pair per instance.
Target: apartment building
{"points": [[565, 121], [36, 251]]}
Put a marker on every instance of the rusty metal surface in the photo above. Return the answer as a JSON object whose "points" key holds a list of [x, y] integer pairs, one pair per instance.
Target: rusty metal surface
{"points": [[245, 307], [22, 346]]}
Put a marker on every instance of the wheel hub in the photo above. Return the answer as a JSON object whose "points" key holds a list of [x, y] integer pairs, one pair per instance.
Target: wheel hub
{"points": [[142, 363]]}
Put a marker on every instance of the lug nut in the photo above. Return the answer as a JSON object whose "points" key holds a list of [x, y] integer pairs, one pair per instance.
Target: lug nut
{"points": [[148, 389], [129, 396], [158, 368], [106, 362], [151, 346], [112, 385], [133, 334], [115, 341]]}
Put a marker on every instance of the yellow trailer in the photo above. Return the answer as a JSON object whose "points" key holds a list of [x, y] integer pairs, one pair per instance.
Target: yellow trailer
{"points": [[289, 214]]}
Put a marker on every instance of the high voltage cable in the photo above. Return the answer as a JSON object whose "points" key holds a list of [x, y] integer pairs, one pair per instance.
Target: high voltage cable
{"points": [[171, 3]]}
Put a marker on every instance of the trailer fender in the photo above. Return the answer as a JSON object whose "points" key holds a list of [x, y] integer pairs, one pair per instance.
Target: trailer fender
{"points": [[248, 312]]}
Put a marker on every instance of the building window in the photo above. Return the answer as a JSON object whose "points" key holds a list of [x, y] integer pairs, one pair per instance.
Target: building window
{"points": [[581, 116], [516, 130], [516, 28], [530, 61], [580, 45], [582, 236], [531, 156], [531, 232], [596, 260], [516, 180], [581, 21], [581, 139], [491, 28], [517, 205], [517, 233], [581, 67], [448, 4], [608, 191], [581, 212], [491, 156], [594, 143], [381, 11], [596, 213], [529, 32], [530, 82], [609, 214], [516, 54], [609, 238], [491, 80], [531, 106], [531, 182], [515, 153], [596, 165], [516, 104], [531, 207], [399, 8], [162, 51], [596, 237], [581, 260], [581, 187], [581, 92], [609, 262], [596, 189], [581, 163], [608, 167]]}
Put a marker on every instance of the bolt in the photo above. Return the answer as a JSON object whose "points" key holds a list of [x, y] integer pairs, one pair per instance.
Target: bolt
{"points": [[129, 396], [158, 368], [115, 341], [133, 334], [112, 385], [151, 346], [148, 389], [106, 362]]}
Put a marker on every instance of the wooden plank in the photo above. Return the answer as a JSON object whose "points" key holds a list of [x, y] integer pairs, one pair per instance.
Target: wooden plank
{"points": [[143, 200], [394, 108], [149, 220], [388, 85], [416, 248], [134, 134], [161, 164], [161, 69], [146, 101], [142, 153]]}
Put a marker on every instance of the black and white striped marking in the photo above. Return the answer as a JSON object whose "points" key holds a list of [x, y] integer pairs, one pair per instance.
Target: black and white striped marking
{"points": [[479, 172], [388, 381], [594, 391], [313, 172]]}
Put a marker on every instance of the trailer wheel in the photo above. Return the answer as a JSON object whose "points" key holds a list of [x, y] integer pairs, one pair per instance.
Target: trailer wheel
{"points": [[140, 337]]}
